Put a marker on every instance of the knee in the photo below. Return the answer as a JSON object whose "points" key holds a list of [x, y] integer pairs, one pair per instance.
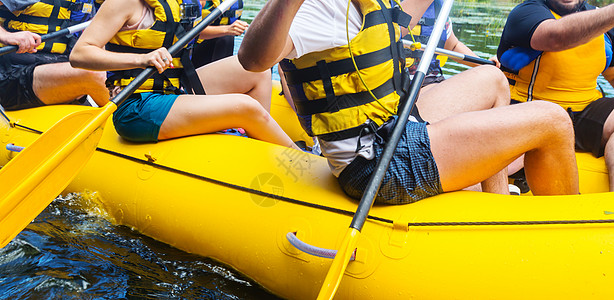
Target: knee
{"points": [[554, 118], [92, 78], [495, 83], [249, 108], [494, 77]]}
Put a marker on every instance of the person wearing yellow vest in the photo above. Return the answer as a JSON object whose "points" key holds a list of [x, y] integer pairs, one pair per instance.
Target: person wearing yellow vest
{"points": [[128, 35], [487, 79], [39, 73], [352, 126], [554, 50], [217, 40]]}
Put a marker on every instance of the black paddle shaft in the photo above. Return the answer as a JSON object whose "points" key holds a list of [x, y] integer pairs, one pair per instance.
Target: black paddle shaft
{"points": [[48, 37], [173, 50], [409, 101]]}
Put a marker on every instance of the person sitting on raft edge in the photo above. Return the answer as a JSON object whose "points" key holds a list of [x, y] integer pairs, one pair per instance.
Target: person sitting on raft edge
{"points": [[431, 158], [124, 38], [438, 98], [555, 50], [39, 73]]}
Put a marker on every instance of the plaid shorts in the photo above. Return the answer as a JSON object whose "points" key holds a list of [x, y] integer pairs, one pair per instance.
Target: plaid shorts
{"points": [[411, 176]]}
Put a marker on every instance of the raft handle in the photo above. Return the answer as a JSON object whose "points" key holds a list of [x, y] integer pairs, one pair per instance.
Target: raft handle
{"points": [[12, 147], [313, 250]]}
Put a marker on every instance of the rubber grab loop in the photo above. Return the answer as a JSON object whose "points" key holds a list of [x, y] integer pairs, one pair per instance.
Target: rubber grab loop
{"points": [[12, 147], [313, 250]]}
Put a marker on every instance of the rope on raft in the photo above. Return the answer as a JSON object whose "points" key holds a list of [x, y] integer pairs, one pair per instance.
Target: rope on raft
{"points": [[327, 208]]}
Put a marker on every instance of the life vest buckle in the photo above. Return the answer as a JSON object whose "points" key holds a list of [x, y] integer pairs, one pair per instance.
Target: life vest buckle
{"points": [[87, 8], [83, 7]]}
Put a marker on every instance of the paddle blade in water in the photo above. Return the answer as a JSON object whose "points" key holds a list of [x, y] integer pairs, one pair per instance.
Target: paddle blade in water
{"points": [[42, 170]]}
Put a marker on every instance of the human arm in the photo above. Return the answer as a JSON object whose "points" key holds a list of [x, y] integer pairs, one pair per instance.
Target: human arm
{"points": [[234, 29], [267, 40], [572, 30], [26, 40], [89, 52], [414, 8], [453, 44]]}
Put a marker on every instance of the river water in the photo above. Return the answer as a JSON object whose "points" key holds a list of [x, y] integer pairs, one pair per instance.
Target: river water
{"points": [[70, 252]]}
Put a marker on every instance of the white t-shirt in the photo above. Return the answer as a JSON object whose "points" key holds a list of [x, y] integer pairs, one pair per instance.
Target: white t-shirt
{"points": [[320, 25]]}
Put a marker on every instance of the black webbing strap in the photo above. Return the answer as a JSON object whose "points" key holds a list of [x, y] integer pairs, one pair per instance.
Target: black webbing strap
{"points": [[400, 17], [171, 25], [164, 77], [376, 17], [339, 67], [317, 106], [54, 23], [189, 78], [327, 83], [126, 49], [343, 134], [396, 76], [431, 21]]}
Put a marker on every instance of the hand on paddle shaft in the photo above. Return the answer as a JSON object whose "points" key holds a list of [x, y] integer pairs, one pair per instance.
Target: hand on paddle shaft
{"points": [[25, 41], [32, 179], [335, 273], [453, 54]]}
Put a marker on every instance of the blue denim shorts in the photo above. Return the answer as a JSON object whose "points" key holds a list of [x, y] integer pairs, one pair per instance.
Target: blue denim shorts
{"points": [[411, 176], [138, 118]]}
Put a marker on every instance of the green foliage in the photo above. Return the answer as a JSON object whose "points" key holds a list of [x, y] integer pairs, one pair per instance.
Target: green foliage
{"points": [[601, 2]]}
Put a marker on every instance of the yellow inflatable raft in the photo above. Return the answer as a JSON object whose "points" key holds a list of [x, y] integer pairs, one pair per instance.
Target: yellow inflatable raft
{"points": [[235, 200]]}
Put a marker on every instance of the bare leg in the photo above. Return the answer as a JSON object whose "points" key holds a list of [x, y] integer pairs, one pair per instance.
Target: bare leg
{"points": [[198, 114], [481, 88], [608, 141], [227, 76], [60, 83], [235, 98], [464, 159], [497, 183]]}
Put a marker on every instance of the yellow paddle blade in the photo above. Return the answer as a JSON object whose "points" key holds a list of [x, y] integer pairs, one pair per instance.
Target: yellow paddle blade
{"points": [[41, 171], [340, 263]]}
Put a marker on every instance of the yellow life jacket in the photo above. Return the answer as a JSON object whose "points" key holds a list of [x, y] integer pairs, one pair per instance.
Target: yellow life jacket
{"points": [[168, 27], [228, 17], [568, 77], [45, 17], [330, 99]]}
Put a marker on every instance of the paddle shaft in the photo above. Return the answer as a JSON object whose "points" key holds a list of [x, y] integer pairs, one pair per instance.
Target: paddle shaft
{"points": [[173, 50], [380, 169], [453, 54], [335, 273], [49, 36]]}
